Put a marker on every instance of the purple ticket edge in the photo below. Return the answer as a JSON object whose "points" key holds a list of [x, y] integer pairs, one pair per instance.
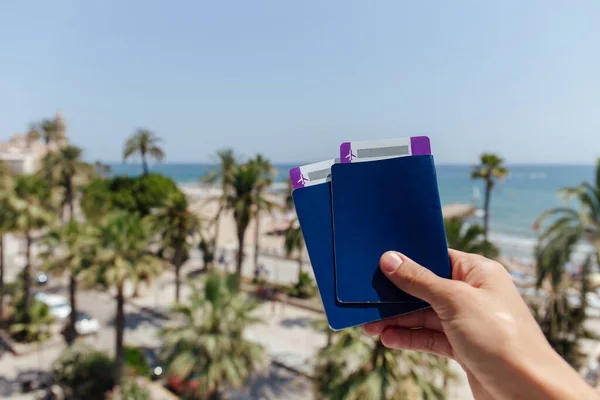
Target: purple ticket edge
{"points": [[297, 178], [420, 146], [346, 155]]}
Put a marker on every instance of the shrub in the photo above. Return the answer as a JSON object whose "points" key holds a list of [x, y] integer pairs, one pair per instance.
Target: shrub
{"points": [[135, 362], [133, 194], [304, 288], [130, 389], [83, 372], [37, 328]]}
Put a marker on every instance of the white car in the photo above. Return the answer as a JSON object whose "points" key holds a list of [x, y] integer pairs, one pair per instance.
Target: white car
{"points": [[58, 305], [86, 324]]}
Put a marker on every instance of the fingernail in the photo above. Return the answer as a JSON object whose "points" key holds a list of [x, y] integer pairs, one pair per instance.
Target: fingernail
{"points": [[390, 261]]}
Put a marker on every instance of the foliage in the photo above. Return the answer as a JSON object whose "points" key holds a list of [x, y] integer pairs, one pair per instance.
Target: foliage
{"points": [[209, 346], [122, 256], [173, 223], [224, 175], [25, 213], [145, 144], [83, 372], [490, 169], [304, 288], [33, 326], [266, 174], [66, 170], [568, 225], [130, 389], [355, 366], [242, 200], [69, 249], [131, 194], [294, 243], [135, 362], [468, 238], [561, 317]]}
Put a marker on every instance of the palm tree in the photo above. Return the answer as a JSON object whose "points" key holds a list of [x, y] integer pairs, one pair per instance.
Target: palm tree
{"points": [[266, 175], [51, 131], [490, 169], [28, 212], [224, 175], [358, 367], [242, 200], [6, 191], [468, 238], [146, 144], [209, 346], [294, 242], [70, 249], [122, 256], [174, 224], [68, 172], [574, 224]]}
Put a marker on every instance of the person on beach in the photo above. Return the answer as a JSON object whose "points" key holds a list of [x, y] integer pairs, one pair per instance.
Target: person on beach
{"points": [[478, 319]]}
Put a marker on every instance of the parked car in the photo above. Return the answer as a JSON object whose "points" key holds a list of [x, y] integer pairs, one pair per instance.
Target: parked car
{"points": [[156, 369], [58, 305], [86, 324], [41, 279]]}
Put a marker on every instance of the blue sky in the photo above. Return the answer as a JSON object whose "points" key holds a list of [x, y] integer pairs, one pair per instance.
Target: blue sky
{"points": [[294, 79]]}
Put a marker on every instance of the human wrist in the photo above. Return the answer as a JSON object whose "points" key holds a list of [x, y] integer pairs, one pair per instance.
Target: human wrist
{"points": [[545, 375]]}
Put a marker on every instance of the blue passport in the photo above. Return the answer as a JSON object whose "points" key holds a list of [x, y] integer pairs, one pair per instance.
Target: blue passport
{"points": [[313, 206], [390, 204]]}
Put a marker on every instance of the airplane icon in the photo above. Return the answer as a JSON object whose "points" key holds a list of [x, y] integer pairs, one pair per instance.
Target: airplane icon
{"points": [[302, 179], [350, 155]]}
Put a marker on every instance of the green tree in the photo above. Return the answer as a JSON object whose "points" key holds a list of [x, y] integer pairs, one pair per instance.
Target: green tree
{"points": [[355, 366], [265, 179], [242, 200], [27, 213], [50, 130], [6, 192], [224, 175], [175, 225], [137, 195], [34, 325], [209, 346], [70, 249], [294, 243], [468, 238], [490, 169], [84, 372], [69, 172], [581, 222], [145, 144], [122, 256], [562, 318]]}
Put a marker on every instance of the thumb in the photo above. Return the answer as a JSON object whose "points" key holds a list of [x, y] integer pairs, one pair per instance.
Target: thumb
{"points": [[414, 279]]}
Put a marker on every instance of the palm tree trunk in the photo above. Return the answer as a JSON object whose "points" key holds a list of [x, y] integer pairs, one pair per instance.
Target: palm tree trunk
{"points": [[144, 163], [71, 333], [1, 276], [119, 330], [299, 265], [486, 208], [256, 242], [240, 255], [217, 226], [27, 278]]}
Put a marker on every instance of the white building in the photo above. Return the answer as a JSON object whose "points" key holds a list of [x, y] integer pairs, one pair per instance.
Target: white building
{"points": [[23, 153]]}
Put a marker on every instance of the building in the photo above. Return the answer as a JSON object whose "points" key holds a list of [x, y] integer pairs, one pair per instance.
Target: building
{"points": [[24, 153]]}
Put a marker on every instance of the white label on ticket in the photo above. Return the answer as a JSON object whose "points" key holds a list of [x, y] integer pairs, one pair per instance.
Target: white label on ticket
{"points": [[312, 174], [372, 150]]}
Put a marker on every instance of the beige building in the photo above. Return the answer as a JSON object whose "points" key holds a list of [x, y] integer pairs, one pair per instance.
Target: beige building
{"points": [[24, 153]]}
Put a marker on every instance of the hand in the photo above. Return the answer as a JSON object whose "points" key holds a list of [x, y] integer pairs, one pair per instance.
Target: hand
{"points": [[479, 319]]}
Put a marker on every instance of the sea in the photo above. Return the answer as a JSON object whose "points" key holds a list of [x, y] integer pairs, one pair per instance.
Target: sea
{"points": [[516, 202]]}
